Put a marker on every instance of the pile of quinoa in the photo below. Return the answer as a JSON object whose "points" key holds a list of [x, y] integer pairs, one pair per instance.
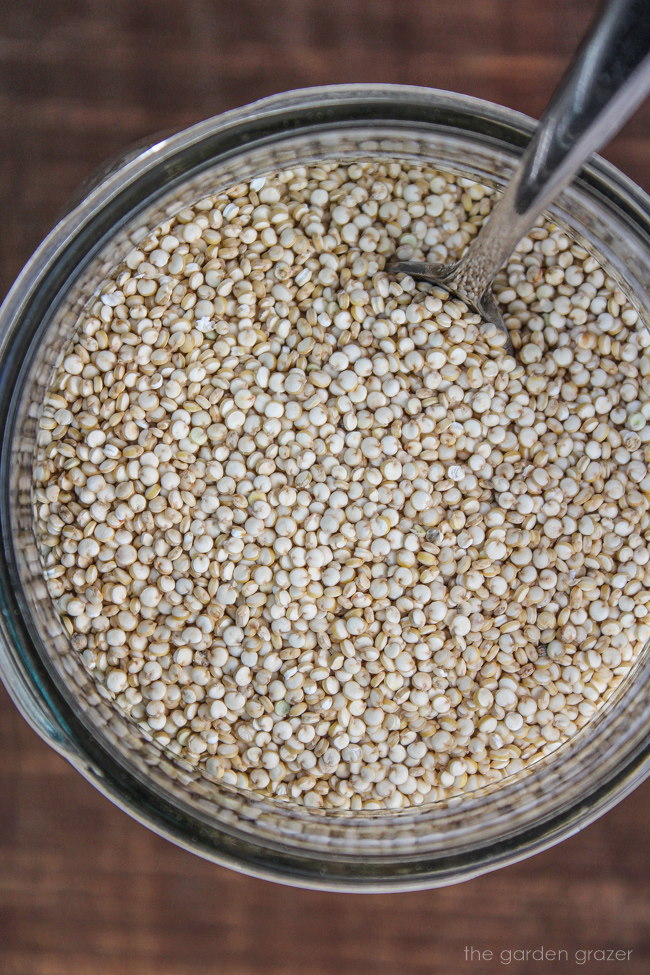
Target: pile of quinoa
{"points": [[313, 528]]}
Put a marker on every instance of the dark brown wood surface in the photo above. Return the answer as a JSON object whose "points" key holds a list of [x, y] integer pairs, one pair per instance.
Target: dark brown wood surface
{"points": [[83, 889]]}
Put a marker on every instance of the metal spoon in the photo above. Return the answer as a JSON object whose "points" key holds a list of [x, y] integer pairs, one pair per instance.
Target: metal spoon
{"points": [[608, 79]]}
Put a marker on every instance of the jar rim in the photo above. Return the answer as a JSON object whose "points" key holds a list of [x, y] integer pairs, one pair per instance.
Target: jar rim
{"points": [[28, 684]]}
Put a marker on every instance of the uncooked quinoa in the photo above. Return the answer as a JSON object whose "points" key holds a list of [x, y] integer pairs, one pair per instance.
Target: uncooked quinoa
{"points": [[312, 528]]}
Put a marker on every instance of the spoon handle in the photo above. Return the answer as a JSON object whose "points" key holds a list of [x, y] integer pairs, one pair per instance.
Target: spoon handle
{"points": [[607, 80]]}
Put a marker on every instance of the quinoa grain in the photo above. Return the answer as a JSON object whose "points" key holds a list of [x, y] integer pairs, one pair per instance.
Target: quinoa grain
{"points": [[313, 528]]}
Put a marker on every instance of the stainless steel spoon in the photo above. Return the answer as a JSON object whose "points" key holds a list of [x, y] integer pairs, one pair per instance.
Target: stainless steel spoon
{"points": [[608, 79]]}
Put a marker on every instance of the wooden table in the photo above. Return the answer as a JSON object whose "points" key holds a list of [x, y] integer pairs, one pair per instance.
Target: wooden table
{"points": [[83, 889]]}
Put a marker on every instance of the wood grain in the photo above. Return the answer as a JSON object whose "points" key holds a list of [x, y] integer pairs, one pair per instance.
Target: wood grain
{"points": [[83, 889]]}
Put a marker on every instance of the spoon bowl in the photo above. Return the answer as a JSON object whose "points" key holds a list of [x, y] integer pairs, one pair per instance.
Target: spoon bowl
{"points": [[450, 277]]}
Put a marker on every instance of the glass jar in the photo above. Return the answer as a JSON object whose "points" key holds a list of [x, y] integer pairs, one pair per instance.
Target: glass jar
{"points": [[421, 847]]}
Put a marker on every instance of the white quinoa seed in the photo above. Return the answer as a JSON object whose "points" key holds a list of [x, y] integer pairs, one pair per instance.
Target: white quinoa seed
{"points": [[313, 528]]}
